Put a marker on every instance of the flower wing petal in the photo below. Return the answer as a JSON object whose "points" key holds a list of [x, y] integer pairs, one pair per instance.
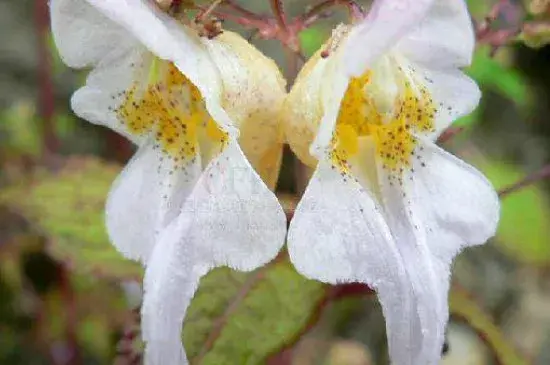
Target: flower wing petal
{"points": [[114, 74], [76, 22], [168, 39], [253, 93], [386, 23], [338, 234], [427, 295], [303, 110], [444, 39], [237, 220], [145, 197], [171, 279], [439, 206], [454, 94], [458, 204], [231, 218]]}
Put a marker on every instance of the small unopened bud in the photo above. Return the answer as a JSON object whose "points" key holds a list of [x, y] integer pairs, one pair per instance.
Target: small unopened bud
{"points": [[164, 4]]}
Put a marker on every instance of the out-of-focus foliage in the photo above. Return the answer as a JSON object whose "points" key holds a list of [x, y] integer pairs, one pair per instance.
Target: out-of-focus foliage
{"points": [[67, 207], [463, 307], [267, 309], [523, 232], [536, 34], [270, 307]]}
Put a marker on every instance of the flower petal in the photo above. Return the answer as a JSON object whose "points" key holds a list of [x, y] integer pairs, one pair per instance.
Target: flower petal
{"points": [[386, 23], [303, 110], [76, 22], [106, 85], [338, 234], [253, 93], [231, 218], [168, 39], [171, 279], [444, 39], [439, 206], [427, 295], [237, 220], [458, 205], [145, 197], [454, 94]]}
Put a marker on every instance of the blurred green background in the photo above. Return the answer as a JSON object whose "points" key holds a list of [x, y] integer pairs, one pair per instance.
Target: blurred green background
{"points": [[66, 297]]}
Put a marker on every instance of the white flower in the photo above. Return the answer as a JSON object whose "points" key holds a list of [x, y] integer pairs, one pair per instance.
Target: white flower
{"points": [[189, 200], [386, 206]]}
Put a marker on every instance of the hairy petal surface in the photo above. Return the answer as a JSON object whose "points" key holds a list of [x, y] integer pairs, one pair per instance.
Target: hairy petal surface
{"points": [[231, 218], [179, 124], [440, 206], [145, 197], [253, 94], [456, 203], [303, 109], [386, 23], [374, 114], [454, 94], [76, 22], [171, 279], [339, 234], [189, 200], [444, 39]]}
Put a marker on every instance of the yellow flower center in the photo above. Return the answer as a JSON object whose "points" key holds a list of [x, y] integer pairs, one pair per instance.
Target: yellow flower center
{"points": [[389, 114], [172, 109]]}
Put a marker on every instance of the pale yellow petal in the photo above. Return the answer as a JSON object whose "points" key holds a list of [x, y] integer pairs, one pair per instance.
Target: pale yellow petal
{"points": [[303, 109], [253, 94], [314, 97]]}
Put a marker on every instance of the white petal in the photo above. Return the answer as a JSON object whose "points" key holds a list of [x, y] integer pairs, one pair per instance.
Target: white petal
{"points": [[237, 220], [145, 197], [333, 82], [168, 39], [115, 73], [458, 205], [387, 22], [454, 94], [82, 34], [444, 39], [171, 279], [231, 219], [338, 234], [442, 206], [428, 296], [142, 22]]}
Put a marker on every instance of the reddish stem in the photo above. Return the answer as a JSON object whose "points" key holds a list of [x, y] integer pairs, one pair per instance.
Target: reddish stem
{"points": [[280, 14], [46, 98], [239, 9], [71, 318], [332, 293], [542, 174], [355, 10], [449, 134]]}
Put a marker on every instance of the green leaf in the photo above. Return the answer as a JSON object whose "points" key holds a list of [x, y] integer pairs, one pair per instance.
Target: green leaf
{"points": [[19, 131], [67, 207], [243, 318], [490, 73], [462, 306], [312, 39], [479, 8], [523, 227]]}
